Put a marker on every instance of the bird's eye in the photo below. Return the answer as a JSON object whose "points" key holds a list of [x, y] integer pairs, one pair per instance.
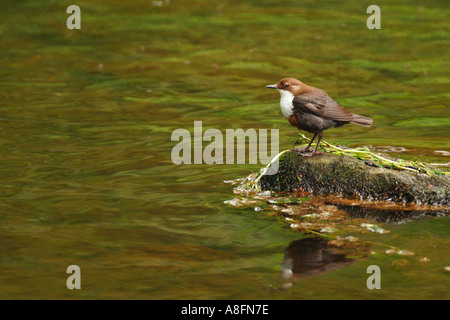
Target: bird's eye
{"points": [[286, 85]]}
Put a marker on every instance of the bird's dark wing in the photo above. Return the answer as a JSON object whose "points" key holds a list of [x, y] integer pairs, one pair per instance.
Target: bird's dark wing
{"points": [[321, 105]]}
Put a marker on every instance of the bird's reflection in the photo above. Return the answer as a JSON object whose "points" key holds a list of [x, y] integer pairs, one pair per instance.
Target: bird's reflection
{"points": [[312, 256]]}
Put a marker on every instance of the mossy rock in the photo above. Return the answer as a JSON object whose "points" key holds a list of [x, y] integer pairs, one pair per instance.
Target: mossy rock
{"points": [[330, 174]]}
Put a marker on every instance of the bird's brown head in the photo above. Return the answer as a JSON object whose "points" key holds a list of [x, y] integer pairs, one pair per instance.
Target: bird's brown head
{"points": [[292, 85]]}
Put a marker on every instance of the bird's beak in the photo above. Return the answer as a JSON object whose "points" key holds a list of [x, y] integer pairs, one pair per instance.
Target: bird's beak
{"points": [[272, 86]]}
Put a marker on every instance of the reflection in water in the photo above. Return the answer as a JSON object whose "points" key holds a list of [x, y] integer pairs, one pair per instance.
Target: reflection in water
{"points": [[87, 118], [393, 215], [312, 256], [385, 211]]}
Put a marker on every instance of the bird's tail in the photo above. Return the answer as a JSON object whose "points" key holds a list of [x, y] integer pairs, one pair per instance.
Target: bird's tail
{"points": [[361, 121]]}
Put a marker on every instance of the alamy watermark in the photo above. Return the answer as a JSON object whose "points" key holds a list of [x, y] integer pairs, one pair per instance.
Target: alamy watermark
{"points": [[374, 281], [231, 150], [74, 20], [374, 21], [73, 281]]}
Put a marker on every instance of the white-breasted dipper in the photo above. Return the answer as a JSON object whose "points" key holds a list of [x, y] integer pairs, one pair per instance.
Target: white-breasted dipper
{"points": [[312, 110]]}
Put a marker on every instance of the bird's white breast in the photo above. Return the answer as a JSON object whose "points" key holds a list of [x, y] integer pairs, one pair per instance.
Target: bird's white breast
{"points": [[286, 102]]}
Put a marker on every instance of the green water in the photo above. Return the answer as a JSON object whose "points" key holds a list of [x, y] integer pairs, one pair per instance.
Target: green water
{"points": [[87, 115]]}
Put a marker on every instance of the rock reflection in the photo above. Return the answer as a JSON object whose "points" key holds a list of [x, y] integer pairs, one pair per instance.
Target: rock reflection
{"points": [[312, 256], [394, 214]]}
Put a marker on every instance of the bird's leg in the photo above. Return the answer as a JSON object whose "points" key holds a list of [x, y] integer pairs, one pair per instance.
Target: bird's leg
{"points": [[309, 145], [310, 142], [315, 149]]}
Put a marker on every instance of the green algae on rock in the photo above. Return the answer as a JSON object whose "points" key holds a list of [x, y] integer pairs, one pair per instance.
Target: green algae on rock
{"points": [[349, 177]]}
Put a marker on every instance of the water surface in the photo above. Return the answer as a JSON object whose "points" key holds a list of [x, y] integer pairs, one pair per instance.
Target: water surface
{"points": [[87, 117]]}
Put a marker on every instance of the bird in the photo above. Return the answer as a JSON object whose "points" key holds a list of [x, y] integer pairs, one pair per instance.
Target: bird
{"points": [[313, 110]]}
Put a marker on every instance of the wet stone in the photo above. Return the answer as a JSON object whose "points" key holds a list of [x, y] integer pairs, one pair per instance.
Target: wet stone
{"points": [[345, 176]]}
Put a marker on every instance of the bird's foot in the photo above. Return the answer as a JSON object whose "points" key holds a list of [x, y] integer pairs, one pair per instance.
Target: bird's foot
{"points": [[308, 155], [301, 151]]}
